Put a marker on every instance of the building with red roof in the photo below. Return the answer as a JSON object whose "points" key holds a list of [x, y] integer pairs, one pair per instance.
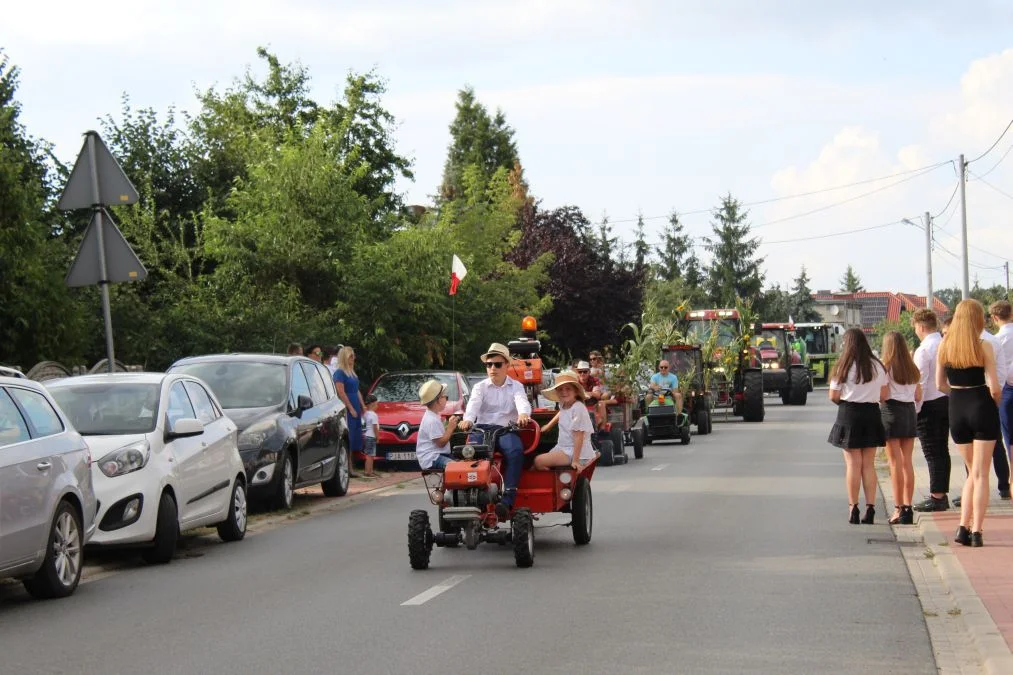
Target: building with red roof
{"points": [[876, 306]]}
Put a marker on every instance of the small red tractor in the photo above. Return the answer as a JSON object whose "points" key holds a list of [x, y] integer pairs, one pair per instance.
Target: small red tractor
{"points": [[740, 387], [467, 491]]}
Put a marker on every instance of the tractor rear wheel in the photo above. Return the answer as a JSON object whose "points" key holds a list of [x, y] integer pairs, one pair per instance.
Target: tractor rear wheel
{"points": [[799, 386], [420, 539], [703, 422], [583, 513], [522, 527], [752, 390], [638, 442], [608, 457]]}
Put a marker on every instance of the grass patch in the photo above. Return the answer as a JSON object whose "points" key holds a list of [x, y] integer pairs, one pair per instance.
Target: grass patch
{"points": [[954, 612], [930, 554], [930, 614]]}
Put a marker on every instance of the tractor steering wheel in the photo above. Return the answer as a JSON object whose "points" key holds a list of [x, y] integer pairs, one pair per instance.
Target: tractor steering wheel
{"points": [[535, 430]]}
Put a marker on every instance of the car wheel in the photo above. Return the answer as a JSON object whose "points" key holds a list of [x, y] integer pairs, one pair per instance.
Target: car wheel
{"points": [[337, 485], [166, 532], [285, 494], [61, 568], [233, 528]]}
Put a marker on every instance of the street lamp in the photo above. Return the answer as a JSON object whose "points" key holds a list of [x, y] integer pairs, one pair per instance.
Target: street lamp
{"points": [[928, 255]]}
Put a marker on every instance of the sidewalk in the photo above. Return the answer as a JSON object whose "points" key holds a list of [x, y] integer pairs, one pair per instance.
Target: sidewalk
{"points": [[974, 587]]}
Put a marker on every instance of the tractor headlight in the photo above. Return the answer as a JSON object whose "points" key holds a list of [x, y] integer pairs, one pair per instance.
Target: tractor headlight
{"points": [[565, 494], [565, 477], [468, 452]]}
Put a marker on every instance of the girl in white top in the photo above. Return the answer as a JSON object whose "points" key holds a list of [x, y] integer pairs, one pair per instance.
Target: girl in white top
{"points": [[856, 386], [900, 422], [371, 431], [573, 446]]}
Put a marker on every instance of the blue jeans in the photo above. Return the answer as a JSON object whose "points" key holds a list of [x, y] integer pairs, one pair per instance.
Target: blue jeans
{"points": [[513, 460], [440, 462], [1006, 418]]}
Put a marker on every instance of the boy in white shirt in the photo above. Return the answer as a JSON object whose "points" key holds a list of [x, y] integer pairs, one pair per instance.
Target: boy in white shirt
{"points": [[370, 432], [431, 447]]}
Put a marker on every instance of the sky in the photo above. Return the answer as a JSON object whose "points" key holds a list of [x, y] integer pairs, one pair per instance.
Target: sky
{"points": [[822, 118]]}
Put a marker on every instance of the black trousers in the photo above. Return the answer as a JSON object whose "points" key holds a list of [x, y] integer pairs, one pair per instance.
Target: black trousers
{"points": [[1001, 465], [934, 436]]}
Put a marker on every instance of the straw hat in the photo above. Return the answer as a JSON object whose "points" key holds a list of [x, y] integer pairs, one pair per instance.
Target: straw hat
{"points": [[496, 349], [430, 391], [565, 377]]}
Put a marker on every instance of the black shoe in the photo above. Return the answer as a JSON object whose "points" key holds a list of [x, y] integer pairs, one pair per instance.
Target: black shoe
{"points": [[956, 502], [502, 511], [907, 516], [870, 514], [963, 536], [976, 541], [854, 515], [933, 504], [1004, 494]]}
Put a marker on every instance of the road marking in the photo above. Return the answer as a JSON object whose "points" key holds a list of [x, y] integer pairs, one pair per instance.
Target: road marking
{"points": [[622, 487], [442, 587], [660, 467]]}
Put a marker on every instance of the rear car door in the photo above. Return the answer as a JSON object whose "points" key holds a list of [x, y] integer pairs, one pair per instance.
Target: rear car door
{"points": [[218, 443], [330, 421], [28, 472]]}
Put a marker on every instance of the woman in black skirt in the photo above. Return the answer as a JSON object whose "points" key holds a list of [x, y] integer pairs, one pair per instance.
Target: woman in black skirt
{"points": [[856, 386], [899, 422]]}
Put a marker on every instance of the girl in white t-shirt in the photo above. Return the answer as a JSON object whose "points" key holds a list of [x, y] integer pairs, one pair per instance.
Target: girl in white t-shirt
{"points": [[856, 386], [573, 447], [370, 432], [900, 422]]}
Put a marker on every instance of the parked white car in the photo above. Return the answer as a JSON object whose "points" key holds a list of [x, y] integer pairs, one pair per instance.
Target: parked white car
{"points": [[47, 505], [165, 458]]}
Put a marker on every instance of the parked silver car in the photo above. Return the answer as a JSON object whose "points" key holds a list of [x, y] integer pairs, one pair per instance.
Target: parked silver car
{"points": [[47, 504]]}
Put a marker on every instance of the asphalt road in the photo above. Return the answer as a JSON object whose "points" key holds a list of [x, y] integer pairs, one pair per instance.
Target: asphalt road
{"points": [[731, 554]]}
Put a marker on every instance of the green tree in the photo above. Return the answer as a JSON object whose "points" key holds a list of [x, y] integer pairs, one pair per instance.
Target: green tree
{"points": [[38, 317], [902, 325], [803, 308], [641, 249], [675, 250], [735, 270], [850, 283], [775, 305], [477, 139], [693, 276]]}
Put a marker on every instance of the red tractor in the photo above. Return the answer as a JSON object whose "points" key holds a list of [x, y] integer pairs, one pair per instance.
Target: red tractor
{"points": [[467, 491], [739, 387]]}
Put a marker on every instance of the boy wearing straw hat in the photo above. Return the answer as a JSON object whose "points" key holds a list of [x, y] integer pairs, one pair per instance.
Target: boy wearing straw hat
{"points": [[574, 445], [497, 402]]}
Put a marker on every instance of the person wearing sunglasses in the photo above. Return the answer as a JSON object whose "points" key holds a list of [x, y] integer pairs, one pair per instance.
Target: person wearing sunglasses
{"points": [[666, 379], [495, 402]]}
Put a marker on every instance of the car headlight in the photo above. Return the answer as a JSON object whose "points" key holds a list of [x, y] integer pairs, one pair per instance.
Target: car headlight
{"points": [[125, 460], [254, 436]]}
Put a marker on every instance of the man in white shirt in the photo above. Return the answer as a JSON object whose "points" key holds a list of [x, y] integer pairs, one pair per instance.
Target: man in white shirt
{"points": [[933, 413], [1000, 461], [496, 402], [1002, 316]]}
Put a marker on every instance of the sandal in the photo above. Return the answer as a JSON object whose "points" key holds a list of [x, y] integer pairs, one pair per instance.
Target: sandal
{"points": [[898, 515]]}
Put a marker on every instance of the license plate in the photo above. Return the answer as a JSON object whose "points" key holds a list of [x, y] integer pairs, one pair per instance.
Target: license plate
{"points": [[401, 456]]}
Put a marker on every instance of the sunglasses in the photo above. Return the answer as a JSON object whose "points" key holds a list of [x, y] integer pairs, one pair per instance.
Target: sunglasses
{"points": [[495, 364], [662, 367], [583, 372]]}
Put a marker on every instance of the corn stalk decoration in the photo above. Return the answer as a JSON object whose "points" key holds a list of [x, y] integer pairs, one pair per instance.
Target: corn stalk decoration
{"points": [[640, 352]]}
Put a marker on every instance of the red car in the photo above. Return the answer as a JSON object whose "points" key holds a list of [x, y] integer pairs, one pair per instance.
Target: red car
{"points": [[400, 412]]}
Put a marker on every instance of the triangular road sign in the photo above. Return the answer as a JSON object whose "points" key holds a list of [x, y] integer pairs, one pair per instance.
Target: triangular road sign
{"points": [[122, 263], [113, 185]]}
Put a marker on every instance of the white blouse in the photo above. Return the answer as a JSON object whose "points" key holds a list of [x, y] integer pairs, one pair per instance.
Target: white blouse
{"points": [[905, 393], [866, 392]]}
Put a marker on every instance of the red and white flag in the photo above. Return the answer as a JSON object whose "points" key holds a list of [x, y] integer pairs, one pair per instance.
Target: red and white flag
{"points": [[457, 273]]}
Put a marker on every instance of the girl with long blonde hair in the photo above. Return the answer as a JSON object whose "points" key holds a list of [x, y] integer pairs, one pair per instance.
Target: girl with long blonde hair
{"points": [[346, 382], [900, 422], [965, 369]]}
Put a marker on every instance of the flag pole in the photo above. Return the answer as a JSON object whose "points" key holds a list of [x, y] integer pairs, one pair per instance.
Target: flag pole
{"points": [[453, 332]]}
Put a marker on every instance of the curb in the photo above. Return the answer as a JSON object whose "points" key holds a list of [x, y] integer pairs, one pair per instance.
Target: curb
{"points": [[994, 654]]}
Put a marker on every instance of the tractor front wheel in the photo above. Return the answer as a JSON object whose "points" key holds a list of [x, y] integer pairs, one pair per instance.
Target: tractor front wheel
{"points": [[752, 390], [799, 386], [420, 539], [703, 422], [583, 513], [522, 527], [608, 457], [638, 442]]}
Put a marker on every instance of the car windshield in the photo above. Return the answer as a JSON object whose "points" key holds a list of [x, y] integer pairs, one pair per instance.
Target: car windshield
{"points": [[769, 339], [404, 387], [111, 409], [241, 384], [727, 329], [814, 339]]}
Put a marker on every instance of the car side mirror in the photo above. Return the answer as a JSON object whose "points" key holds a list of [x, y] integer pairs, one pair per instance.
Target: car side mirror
{"points": [[302, 403], [183, 427]]}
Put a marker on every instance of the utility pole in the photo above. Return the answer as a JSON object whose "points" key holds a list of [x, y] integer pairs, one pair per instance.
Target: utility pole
{"points": [[965, 287], [1006, 267], [928, 259]]}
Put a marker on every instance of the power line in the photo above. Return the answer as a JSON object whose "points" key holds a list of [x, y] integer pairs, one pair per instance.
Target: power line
{"points": [[992, 147], [1002, 192], [949, 201], [833, 234], [920, 170], [999, 162], [971, 263]]}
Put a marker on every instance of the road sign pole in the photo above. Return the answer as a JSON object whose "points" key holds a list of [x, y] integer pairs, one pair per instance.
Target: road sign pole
{"points": [[103, 283]]}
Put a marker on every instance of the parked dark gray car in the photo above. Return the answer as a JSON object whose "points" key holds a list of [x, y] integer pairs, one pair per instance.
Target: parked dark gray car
{"points": [[292, 427], [47, 505]]}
